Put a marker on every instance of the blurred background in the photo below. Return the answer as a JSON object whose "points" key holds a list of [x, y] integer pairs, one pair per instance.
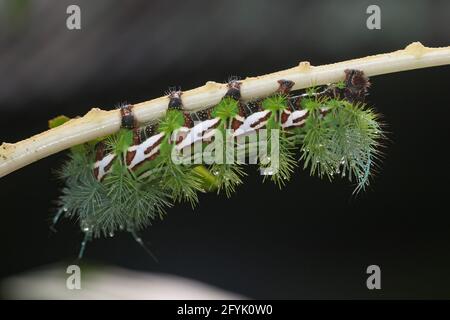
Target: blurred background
{"points": [[313, 239]]}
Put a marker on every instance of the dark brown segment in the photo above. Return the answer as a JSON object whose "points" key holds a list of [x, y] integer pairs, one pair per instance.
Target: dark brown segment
{"points": [[130, 156], [285, 86], [100, 151], [356, 85], [147, 131], [96, 172], [204, 114], [284, 116], [136, 136], [235, 122], [175, 102], [356, 79], [234, 90], [188, 121], [241, 109], [252, 107], [294, 103], [128, 120]]}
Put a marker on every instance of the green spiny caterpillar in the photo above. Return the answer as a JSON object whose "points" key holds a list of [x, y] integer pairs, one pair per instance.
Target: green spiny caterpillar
{"points": [[126, 180]]}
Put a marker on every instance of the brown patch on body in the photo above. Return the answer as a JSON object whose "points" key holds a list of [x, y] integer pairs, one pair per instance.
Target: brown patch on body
{"points": [[236, 123], [294, 103], [175, 102], [285, 86], [253, 107], [356, 85], [96, 172], [204, 114], [130, 156], [284, 116], [188, 121], [100, 151], [234, 90], [137, 136], [126, 113]]}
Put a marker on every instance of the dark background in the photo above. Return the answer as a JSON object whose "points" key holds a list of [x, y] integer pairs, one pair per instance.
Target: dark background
{"points": [[313, 239]]}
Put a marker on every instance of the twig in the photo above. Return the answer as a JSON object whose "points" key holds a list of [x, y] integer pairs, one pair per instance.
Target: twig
{"points": [[97, 123]]}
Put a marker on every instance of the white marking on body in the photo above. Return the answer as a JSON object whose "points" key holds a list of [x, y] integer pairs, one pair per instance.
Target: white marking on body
{"points": [[291, 120], [202, 131], [102, 164], [140, 154], [249, 124]]}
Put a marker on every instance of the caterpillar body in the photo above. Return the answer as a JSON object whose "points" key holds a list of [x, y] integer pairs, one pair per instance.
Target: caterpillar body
{"points": [[126, 180]]}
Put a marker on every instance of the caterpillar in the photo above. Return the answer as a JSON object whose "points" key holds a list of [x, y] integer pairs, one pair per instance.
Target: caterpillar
{"points": [[127, 180]]}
